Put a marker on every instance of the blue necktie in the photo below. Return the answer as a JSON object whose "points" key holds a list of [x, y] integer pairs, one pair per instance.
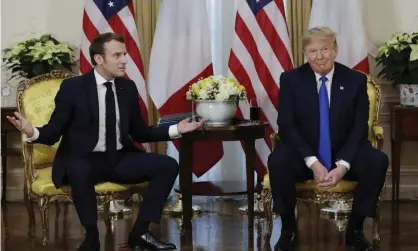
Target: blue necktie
{"points": [[324, 150]]}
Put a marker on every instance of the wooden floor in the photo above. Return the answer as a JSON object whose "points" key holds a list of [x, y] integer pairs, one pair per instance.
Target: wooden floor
{"points": [[220, 227]]}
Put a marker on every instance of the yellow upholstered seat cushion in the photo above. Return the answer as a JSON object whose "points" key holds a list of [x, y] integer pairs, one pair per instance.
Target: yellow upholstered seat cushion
{"points": [[43, 185], [38, 105], [342, 187]]}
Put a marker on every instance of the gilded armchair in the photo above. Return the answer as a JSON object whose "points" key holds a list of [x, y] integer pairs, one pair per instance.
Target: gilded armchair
{"points": [[36, 103], [308, 191]]}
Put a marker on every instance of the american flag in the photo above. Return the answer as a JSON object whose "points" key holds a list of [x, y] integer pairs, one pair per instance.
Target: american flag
{"points": [[261, 51], [116, 16]]}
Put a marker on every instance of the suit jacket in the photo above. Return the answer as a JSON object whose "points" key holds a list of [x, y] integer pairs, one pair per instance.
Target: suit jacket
{"points": [[298, 116], [76, 119]]}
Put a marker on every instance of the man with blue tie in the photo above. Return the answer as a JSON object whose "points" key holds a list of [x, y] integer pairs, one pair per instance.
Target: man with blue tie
{"points": [[97, 116], [322, 119]]}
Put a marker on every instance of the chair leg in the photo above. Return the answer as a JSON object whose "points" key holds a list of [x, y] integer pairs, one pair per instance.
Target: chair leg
{"points": [[43, 207], [57, 208], [31, 213], [106, 212], [376, 226], [57, 216], [267, 198]]}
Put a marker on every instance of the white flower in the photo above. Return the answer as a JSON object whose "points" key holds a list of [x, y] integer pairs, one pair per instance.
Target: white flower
{"points": [[189, 95], [203, 94], [414, 52], [221, 96], [218, 78], [216, 88], [17, 49]]}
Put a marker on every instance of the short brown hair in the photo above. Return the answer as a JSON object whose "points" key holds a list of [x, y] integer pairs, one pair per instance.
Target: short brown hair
{"points": [[97, 46]]}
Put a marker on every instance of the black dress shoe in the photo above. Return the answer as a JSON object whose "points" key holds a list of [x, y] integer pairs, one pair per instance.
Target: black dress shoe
{"points": [[148, 241], [89, 245], [287, 242], [356, 241]]}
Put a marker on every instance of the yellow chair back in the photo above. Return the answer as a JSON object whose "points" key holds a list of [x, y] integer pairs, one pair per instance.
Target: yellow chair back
{"points": [[373, 91], [36, 103]]}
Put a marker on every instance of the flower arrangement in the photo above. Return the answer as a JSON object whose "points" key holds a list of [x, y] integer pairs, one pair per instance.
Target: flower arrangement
{"points": [[37, 56], [399, 57], [217, 88]]}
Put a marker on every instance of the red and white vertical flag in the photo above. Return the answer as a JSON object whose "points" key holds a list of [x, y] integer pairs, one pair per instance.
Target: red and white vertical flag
{"points": [[180, 56], [345, 18], [261, 51], [101, 16]]}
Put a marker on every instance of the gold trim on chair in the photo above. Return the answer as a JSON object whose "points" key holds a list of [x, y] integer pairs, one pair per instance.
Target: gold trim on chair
{"points": [[344, 191], [38, 186]]}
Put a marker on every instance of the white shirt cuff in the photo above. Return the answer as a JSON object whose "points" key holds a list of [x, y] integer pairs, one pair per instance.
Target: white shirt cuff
{"points": [[310, 160], [343, 163], [173, 132], [33, 138]]}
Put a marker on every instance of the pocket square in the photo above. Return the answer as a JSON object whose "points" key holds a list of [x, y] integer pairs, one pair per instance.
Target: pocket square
{"points": [[342, 88]]}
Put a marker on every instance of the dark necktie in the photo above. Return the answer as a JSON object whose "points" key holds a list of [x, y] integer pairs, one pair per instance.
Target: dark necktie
{"points": [[324, 150], [110, 121]]}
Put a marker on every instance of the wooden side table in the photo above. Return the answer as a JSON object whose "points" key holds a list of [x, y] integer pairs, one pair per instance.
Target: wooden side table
{"points": [[404, 127], [6, 128], [247, 132]]}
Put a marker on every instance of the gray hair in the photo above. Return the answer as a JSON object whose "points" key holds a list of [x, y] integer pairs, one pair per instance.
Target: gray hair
{"points": [[319, 31]]}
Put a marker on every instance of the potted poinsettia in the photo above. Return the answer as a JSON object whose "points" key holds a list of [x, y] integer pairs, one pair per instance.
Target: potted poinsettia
{"points": [[37, 56], [399, 58], [216, 98]]}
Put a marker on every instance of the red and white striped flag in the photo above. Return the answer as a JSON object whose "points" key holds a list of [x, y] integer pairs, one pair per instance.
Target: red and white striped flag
{"points": [[260, 53], [116, 16], [345, 18], [180, 56]]}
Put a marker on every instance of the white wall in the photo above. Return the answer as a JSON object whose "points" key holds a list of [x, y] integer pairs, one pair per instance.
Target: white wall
{"points": [[383, 18], [23, 19]]}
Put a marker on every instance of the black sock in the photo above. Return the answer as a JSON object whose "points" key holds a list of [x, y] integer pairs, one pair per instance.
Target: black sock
{"points": [[355, 223], [289, 222], [92, 232], [140, 227]]}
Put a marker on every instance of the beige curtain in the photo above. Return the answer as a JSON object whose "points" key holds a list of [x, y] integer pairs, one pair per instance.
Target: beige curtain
{"points": [[298, 13], [146, 12]]}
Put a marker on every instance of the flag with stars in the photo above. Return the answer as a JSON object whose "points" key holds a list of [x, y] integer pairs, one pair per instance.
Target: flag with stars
{"points": [[261, 51], [117, 16]]}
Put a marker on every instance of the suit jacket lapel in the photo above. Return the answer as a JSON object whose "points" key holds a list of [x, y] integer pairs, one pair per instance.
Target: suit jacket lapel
{"points": [[336, 98], [312, 104], [93, 97]]}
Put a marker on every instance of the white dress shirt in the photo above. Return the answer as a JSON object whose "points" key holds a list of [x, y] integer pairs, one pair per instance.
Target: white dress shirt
{"points": [[101, 91], [101, 143], [311, 159]]}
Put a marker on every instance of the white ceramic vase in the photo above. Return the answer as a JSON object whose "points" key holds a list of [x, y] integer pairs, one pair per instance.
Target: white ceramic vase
{"points": [[409, 95], [216, 113]]}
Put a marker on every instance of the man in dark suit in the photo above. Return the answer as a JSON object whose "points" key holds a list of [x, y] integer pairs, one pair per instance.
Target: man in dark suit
{"points": [[322, 119], [98, 117]]}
